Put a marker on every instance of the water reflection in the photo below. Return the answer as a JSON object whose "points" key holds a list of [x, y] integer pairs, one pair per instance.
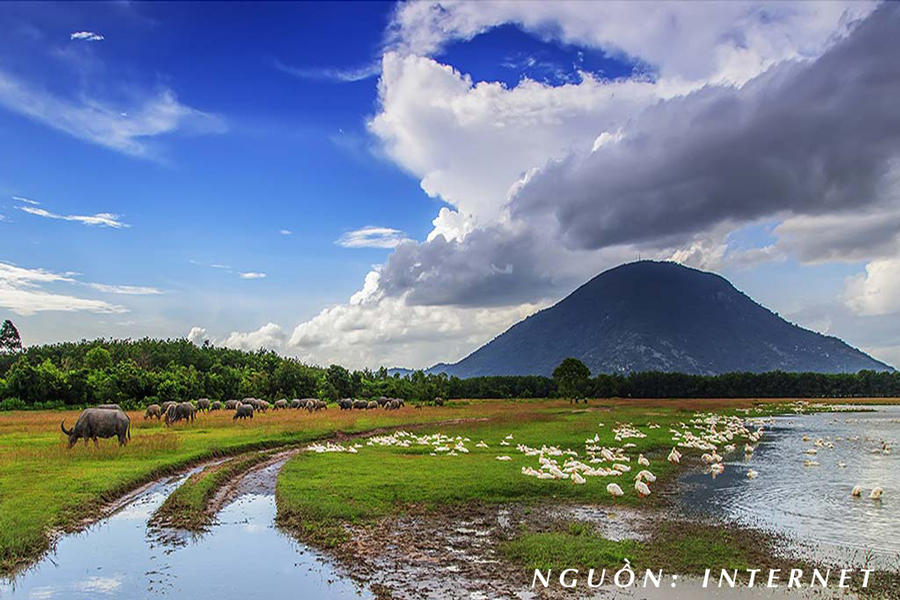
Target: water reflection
{"points": [[812, 504], [242, 556]]}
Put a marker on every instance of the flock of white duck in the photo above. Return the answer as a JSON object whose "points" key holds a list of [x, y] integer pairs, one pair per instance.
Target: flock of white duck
{"points": [[708, 433]]}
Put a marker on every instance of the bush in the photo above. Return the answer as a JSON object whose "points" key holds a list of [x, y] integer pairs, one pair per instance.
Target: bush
{"points": [[49, 405], [13, 404]]}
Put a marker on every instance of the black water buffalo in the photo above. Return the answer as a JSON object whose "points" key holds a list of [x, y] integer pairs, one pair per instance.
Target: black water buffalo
{"points": [[360, 404], [165, 406], [243, 411], [96, 423], [262, 405], [153, 411], [438, 401], [232, 404], [203, 404], [279, 404], [181, 411], [215, 405], [345, 403], [297, 403]]}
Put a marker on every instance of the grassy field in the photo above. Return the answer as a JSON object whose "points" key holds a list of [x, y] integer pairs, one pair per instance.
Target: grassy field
{"points": [[44, 486], [317, 488]]}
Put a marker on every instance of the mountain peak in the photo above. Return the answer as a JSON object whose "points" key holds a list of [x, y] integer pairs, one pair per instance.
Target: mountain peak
{"points": [[660, 316]]}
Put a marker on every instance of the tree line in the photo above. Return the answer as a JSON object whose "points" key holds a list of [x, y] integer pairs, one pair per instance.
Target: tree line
{"points": [[134, 373]]}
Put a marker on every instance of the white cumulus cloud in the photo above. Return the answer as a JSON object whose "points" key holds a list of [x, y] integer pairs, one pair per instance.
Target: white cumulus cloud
{"points": [[877, 291], [270, 336]]}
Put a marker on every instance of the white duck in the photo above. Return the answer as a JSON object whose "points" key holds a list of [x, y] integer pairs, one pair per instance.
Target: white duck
{"points": [[641, 488], [856, 491], [876, 493], [614, 489]]}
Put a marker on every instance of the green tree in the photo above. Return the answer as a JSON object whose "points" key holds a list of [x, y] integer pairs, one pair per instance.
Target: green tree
{"points": [[98, 358], [9, 338], [572, 377], [340, 380]]}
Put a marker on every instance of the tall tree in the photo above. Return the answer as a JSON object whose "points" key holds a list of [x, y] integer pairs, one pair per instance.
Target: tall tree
{"points": [[572, 377], [10, 341]]}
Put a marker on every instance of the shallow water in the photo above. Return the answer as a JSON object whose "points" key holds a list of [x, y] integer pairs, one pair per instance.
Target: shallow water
{"points": [[813, 505], [242, 556]]}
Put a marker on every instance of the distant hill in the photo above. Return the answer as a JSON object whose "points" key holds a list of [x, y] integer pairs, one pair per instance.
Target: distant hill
{"points": [[399, 371], [660, 316]]}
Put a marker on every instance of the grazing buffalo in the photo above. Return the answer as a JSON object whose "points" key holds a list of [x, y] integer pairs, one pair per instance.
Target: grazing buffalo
{"points": [[382, 401], [181, 411], [96, 423], [345, 403], [297, 403], [310, 404], [262, 405], [203, 404], [251, 401], [232, 404], [215, 405], [321, 405], [359, 404], [153, 411], [393, 404], [438, 401], [372, 404], [279, 404], [165, 406], [243, 411]]}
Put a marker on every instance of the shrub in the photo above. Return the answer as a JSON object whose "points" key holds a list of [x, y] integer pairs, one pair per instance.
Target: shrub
{"points": [[13, 404]]}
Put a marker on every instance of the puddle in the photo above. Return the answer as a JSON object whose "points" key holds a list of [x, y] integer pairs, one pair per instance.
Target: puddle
{"points": [[242, 556]]}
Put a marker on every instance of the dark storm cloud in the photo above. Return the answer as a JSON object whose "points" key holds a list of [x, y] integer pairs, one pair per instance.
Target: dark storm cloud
{"points": [[490, 267], [802, 138]]}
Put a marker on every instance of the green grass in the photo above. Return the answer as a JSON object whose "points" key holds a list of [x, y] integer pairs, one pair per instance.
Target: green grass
{"points": [[319, 490], [566, 550], [685, 548], [45, 487]]}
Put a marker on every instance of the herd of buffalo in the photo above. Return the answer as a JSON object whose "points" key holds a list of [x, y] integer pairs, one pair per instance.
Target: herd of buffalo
{"points": [[109, 420]]}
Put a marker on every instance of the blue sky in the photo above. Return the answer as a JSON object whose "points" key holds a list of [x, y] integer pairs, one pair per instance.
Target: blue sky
{"points": [[242, 172]]}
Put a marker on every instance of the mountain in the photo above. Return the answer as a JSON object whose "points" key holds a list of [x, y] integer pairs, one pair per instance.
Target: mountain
{"points": [[660, 316]]}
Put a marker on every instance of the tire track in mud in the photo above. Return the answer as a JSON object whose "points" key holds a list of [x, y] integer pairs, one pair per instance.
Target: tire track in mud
{"points": [[116, 504]]}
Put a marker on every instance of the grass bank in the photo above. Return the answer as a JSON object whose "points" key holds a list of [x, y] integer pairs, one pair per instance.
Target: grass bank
{"points": [[188, 506]]}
